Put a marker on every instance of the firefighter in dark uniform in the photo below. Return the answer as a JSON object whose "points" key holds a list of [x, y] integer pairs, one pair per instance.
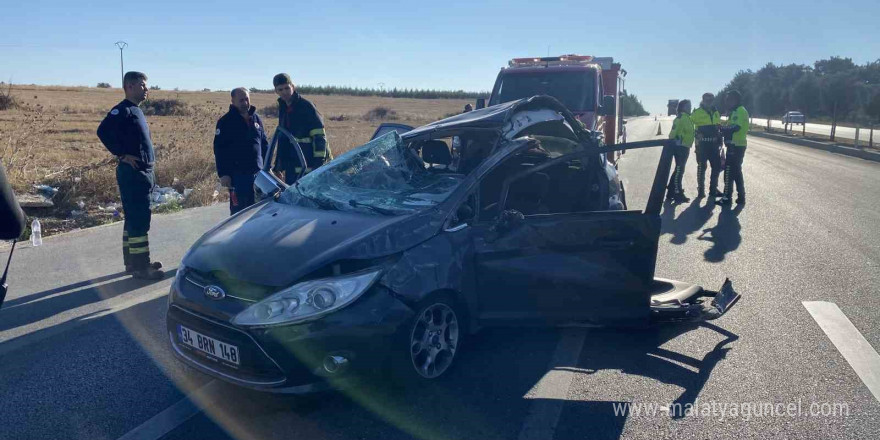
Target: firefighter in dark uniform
{"points": [[707, 122], [302, 120], [683, 134], [240, 144], [125, 133], [734, 130]]}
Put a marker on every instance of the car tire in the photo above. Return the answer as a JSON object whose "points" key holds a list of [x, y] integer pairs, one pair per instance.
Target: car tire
{"points": [[428, 344]]}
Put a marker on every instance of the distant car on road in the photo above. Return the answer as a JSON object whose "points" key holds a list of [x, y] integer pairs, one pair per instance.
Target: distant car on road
{"points": [[794, 118]]}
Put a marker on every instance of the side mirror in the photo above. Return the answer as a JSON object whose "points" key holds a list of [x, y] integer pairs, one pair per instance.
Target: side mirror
{"points": [[608, 105], [267, 185], [465, 213], [481, 103]]}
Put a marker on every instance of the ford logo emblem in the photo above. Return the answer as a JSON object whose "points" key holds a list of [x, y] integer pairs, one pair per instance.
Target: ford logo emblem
{"points": [[214, 292]]}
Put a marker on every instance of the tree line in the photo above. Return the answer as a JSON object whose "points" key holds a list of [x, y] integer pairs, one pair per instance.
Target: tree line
{"points": [[834, 89], [629, 103], [631, 106], [388, 93]]}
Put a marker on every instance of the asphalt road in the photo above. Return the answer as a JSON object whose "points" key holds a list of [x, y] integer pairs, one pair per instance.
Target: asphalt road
{"points": [[83, 352]]}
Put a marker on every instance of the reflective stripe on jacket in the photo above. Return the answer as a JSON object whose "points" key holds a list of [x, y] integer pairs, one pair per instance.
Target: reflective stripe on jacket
{"points": [[706, 123]]}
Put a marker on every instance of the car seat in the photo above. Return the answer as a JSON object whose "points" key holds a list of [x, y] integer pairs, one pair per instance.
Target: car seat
{"points": [[436, 152], [527, 194]]}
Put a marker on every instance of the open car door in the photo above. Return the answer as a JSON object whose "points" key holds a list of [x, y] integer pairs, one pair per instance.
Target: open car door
{"points": [[582, 267]]}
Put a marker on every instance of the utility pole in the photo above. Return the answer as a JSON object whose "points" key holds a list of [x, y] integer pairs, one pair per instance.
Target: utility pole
{"points": [[121, 45]]}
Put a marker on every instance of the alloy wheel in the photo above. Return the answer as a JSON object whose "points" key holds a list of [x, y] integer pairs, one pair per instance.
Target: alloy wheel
{"points": [[434, 340]]}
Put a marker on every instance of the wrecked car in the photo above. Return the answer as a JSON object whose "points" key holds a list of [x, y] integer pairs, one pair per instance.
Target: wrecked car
{"points": [[398, 249]]}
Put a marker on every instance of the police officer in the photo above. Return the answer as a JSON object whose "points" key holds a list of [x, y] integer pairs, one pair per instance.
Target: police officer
{"points": [[683, 134], [302, 120], [734, 130], [707, 121], [125, 133], [240, 144]]}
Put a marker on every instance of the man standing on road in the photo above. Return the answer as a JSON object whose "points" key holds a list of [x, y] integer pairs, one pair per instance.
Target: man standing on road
{"points": [[298, 116], [125, 133], [707, 121], [683, 134], [734, 131], [240, 144]]}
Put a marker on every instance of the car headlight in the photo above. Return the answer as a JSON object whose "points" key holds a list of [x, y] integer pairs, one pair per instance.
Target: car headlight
{"points": [[307, 300]]}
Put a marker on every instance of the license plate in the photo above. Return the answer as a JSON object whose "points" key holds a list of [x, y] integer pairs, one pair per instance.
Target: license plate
{"points": [[208, 345]]}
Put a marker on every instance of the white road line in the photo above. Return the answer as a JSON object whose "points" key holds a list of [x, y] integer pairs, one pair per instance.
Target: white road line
{"points": [[552, 390], [849, 342], [173, 416]]}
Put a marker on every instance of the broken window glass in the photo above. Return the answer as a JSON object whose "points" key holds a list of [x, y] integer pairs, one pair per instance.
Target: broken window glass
{"points": [[382, 177]]}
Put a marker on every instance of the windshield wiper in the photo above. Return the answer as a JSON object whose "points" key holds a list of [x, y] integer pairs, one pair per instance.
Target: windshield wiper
{"points": [[322, 203], [377, 209]]}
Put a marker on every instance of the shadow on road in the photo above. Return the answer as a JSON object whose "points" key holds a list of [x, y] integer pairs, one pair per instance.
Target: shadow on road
{"points": [[481, 397], [109, 375], [689, 221], [641, 353], [73, 286], [725, 236], [29, 309]]}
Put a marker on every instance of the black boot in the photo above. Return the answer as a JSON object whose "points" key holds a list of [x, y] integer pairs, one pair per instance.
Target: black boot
{"points": [[154, 265], [148, 274]]}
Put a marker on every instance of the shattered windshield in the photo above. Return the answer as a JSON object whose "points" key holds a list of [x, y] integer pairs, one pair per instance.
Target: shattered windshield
{"points": [[382, 177]]}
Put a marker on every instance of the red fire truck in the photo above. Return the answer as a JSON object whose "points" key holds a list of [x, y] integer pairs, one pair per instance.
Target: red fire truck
{"points": [[590, 87]]}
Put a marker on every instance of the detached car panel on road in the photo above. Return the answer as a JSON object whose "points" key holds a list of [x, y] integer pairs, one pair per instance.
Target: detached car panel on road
{"points": [[509, 215]]}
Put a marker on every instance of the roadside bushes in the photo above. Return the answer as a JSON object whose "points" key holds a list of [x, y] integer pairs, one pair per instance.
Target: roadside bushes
{"points": [[381, 113], [7, 101], [166, 107]]}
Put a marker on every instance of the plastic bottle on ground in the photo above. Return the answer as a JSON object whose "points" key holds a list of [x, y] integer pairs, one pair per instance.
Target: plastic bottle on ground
{"points": [[36, 233]]}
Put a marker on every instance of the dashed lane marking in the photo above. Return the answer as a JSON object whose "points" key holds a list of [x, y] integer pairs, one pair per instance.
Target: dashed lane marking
{"points": [[849, 342]]}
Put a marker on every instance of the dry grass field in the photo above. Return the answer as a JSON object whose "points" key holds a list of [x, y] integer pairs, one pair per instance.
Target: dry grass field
{"points": [[49, 138]]}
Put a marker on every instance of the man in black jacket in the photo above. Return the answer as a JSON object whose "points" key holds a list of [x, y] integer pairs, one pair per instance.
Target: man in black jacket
{"points": [[125, 133], [240, 144], [298, 116]]}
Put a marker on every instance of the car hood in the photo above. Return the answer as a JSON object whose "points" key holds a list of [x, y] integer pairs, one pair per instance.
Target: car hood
{"points": [[274, 244]]}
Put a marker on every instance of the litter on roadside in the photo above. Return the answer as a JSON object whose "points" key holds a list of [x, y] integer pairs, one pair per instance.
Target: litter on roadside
{"points": [[164, 195], [46, 190]]}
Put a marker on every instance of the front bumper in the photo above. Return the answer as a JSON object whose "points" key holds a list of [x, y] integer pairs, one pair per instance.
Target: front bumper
{"points": [[291, 358]]}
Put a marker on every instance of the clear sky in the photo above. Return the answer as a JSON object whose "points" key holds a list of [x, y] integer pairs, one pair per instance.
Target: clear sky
{"points": [[670, 49]]}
